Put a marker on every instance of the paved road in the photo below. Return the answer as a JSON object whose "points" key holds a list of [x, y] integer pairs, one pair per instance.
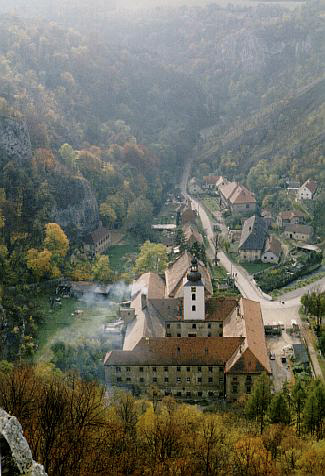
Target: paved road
{"points": [[272, 311]]}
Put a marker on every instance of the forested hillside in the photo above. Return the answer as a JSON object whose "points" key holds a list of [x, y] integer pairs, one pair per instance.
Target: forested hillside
{"points": [[131, 99]]}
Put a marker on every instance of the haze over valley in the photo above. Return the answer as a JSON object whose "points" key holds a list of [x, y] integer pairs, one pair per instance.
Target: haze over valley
{"points": [[162, 230]]}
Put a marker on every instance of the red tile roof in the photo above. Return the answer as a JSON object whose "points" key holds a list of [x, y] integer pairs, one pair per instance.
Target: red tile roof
{"points": [[211, 179], [311, 185], [242, 195], [219, 309], [177, 351], [289, 214], [252, 356]]}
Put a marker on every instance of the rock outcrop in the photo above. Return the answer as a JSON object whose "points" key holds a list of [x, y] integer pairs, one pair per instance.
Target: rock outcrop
{"points": [[76, 209], [11, 431], [14, 139]]}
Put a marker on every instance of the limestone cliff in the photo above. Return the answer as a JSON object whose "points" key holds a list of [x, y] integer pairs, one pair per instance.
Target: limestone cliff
{"points": [[20, 454], [76, 208], [14, 139], [75, 205]]}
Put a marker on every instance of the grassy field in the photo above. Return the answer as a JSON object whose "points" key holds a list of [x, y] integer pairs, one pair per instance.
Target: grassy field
{"points": [[218, 272], [60, 323], [252, 268], [210, 203], [121, 257]]}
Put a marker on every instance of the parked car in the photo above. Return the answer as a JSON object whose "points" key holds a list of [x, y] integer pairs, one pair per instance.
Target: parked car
{"points": [[272, 355]]}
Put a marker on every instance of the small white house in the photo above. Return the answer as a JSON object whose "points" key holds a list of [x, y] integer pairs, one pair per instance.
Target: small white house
{"points": [[272, 251], [307, 190]]}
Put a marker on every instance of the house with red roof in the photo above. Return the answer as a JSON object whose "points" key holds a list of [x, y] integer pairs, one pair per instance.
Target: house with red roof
{"points": [[237, 197], [308, 190]]}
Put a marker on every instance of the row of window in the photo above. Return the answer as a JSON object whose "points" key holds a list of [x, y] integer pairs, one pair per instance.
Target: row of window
{"points": [[235, 389], [179, 325], [166, 380], [154, 369], [235, 378], [168, 334]]}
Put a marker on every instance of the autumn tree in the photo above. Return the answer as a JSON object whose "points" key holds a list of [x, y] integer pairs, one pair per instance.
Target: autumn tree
{"points": [[101, 269], [56, 240], [312, 461], [251, 458], [40, 263], [49, 260], [152, 258]]}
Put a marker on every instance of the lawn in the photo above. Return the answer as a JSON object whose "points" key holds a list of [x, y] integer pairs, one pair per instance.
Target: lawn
{"points": [[210, 203], [60, 323], [121, 257], [55, 319], [253, 268], [219, 272]]}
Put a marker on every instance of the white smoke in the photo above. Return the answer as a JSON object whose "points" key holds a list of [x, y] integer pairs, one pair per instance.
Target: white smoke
{"points": [[91, 312]]}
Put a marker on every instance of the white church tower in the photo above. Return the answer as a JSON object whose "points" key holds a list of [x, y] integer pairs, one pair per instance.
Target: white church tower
{"points": [[194, 301]]}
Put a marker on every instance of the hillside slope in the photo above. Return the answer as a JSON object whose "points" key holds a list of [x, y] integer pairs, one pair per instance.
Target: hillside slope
{"points": [[289, 136]]}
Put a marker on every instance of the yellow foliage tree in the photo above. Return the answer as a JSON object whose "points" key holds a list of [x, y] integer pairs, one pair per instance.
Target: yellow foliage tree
{"points": [[39, 262], [56, 240], [152, 257], [251, 458], [101, 269], [81, 271]]}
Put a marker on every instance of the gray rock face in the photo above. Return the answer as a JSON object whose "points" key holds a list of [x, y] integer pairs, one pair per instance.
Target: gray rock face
{"points": [[76, 205], [14, 139], [11, 430]]}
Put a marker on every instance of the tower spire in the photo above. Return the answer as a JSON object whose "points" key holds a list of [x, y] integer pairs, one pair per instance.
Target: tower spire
{"points": [[193, 290]]}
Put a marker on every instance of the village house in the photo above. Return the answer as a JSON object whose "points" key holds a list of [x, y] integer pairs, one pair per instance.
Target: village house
{"points": [[212, 182], [192, 235], [220, 353], [273, 250], [308, 190], [237, 198], [253, 239], [98, 241], [299, 232], [290, 217]]}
